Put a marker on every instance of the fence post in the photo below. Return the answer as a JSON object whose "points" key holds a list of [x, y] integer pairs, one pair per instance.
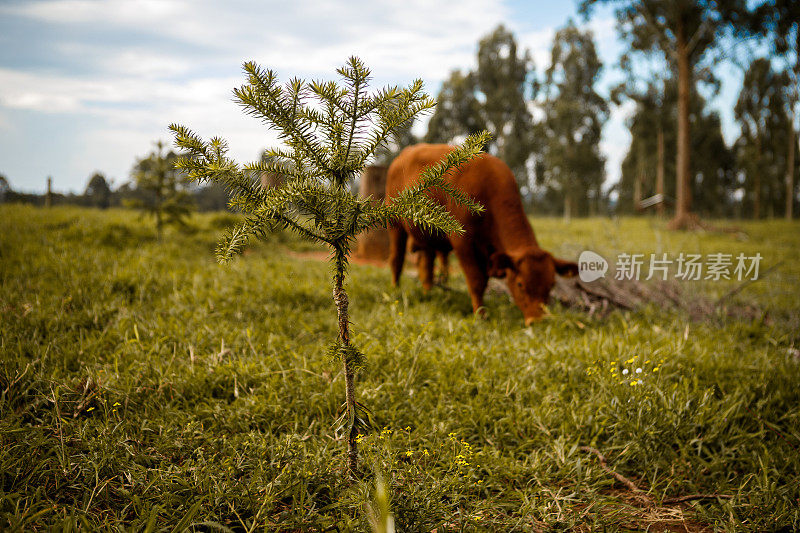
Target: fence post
{"points": [[270, 180], [373, 244]]}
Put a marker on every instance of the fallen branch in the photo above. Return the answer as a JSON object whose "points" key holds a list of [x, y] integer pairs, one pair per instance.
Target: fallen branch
{"points": [[639, 493], [692, 497], [619, 477], [609, 295]]}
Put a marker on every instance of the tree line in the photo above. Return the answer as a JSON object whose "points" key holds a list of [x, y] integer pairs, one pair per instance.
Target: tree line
{"points": [[155, 186], [547, 124]]}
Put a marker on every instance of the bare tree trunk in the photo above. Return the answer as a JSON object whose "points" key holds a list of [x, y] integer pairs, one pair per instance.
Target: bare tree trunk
{"points": [[790, 170], [683, 202], [48, 199], [341, 301], [757, 181], [794, 138], [637, 183], [660, 169]]}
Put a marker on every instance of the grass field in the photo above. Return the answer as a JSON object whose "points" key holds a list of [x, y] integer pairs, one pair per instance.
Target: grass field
{"points": [[145, 387]]}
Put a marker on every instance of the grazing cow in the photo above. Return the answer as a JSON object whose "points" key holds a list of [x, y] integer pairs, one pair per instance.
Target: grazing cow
{"points": [[497, 243]]}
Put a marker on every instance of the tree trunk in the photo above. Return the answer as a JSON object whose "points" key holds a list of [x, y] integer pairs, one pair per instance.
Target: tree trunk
{"points": [[757, 181], [340, 299], [794, 138], [790, 173], [48, 199], [660, 170], [638, 180], [683, 202], [790, 170]]}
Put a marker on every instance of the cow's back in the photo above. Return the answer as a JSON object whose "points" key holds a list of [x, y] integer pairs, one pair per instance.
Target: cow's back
{"points": [[486, 179], [405, 169]]}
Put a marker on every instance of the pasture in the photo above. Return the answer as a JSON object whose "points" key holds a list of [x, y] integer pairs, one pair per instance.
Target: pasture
{"points": [[143, 386]]}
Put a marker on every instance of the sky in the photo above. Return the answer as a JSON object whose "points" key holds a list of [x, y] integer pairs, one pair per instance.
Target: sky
{"points": [[90, 85]]}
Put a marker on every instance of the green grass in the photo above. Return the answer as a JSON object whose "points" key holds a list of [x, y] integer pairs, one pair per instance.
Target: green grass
{"points": [[145, 387]]}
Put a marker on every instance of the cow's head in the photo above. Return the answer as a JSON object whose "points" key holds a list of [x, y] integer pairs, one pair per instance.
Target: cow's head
{"points": [[530, 277]]}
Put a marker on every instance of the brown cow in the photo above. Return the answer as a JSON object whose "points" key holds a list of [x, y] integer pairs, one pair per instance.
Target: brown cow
{"points": [[497, 243]]}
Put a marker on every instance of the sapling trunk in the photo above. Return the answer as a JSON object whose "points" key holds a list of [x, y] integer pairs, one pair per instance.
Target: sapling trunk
{"points": [[341, 301]]}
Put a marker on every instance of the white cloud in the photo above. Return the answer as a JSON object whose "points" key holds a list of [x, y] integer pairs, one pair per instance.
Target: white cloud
{"points": [[95, 11], [105, 95], [413, 38], [126, 90], [182, 64]]}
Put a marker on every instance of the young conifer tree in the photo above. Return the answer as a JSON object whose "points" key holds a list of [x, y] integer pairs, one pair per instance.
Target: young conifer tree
{"points": [[329, 131], [167, 199]]}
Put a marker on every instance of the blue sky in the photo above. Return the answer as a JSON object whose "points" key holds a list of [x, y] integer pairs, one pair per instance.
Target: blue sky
{"points": [[89, 85]]}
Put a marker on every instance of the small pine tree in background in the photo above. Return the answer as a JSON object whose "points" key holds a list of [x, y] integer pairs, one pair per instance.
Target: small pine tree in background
{"points": [[98, 193], [162, 187], [329, 131]]}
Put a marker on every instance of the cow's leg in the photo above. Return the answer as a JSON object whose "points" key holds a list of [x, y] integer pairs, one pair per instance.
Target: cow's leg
{"points": [[397, 251], [444, 267], [425, 259], [474, 272]]}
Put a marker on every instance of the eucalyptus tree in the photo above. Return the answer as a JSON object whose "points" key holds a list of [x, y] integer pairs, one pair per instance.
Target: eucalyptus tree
{"points": [[683, 32], [653, 92], [761, 110], [458, 112], [574, 116], [495, 96], [645, 166], [329, 132], [780, 21], [503, 81]]}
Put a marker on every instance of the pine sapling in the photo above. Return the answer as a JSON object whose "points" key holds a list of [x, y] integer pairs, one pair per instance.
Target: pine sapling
{"points": [[329, 132], [164, 186]]}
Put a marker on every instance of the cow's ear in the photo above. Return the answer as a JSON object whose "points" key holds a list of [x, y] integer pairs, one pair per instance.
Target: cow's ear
{"points": [[498, 263], [567, 269]]}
